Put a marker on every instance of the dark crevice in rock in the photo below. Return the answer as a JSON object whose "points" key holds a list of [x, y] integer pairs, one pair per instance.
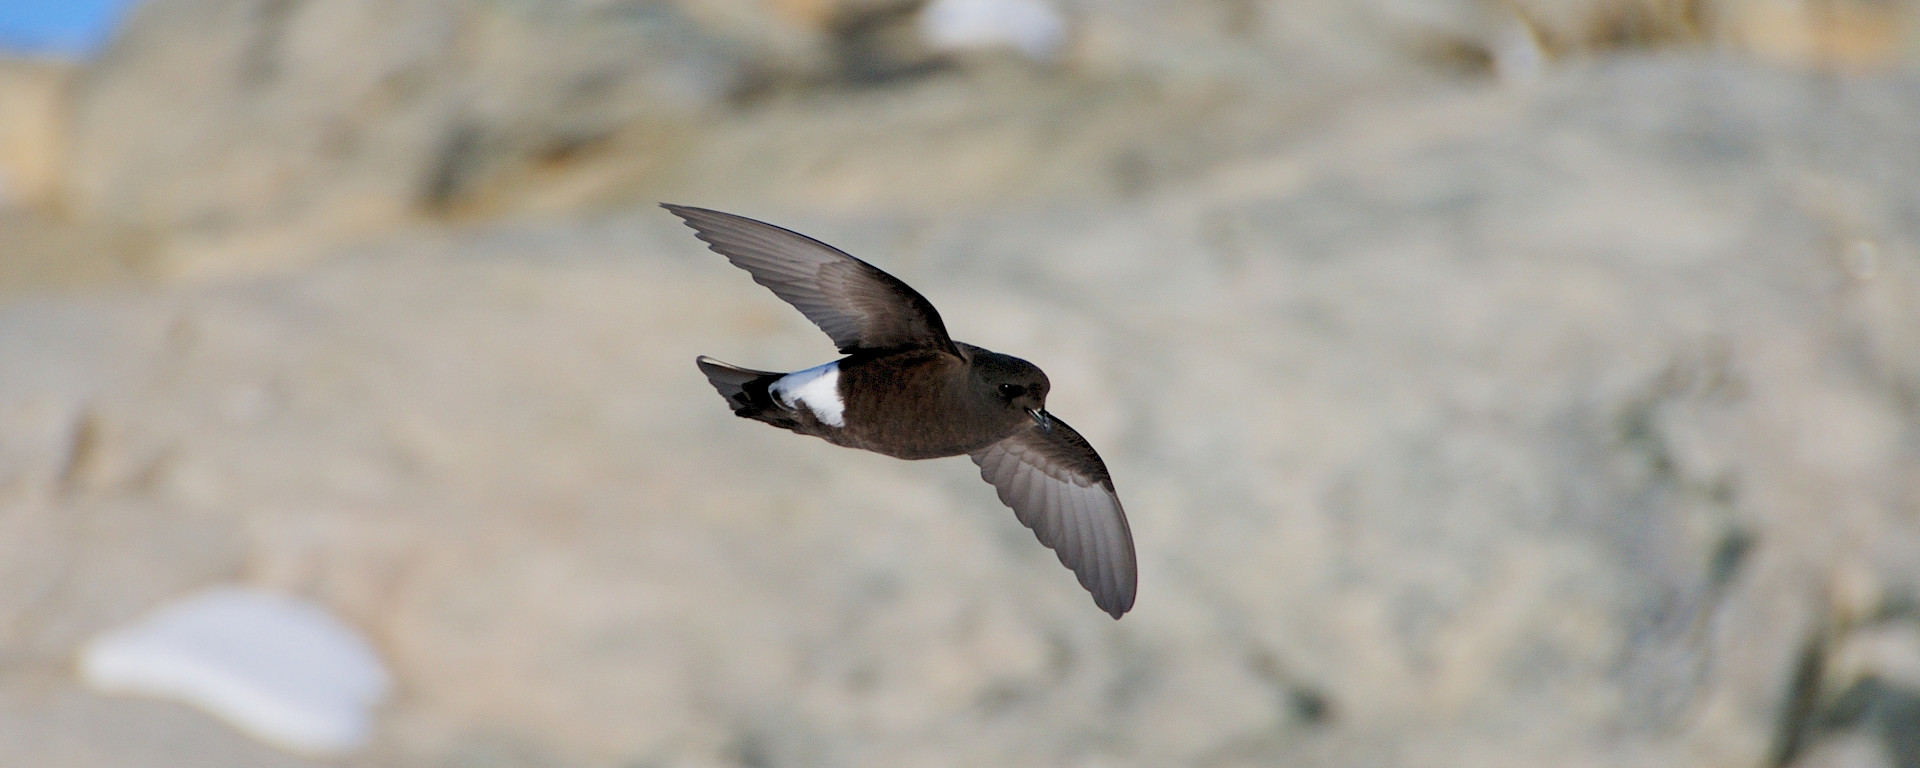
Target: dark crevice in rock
{"points": [[1728, 556], [260, 64], [83, 453], [1307, 704], [1871, 704], [455, 167], [1796, 723], [879, 46]]}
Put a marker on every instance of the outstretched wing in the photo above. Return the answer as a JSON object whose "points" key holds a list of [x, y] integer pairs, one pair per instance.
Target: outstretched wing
{"points": [[859, 306], [1059, 487]]}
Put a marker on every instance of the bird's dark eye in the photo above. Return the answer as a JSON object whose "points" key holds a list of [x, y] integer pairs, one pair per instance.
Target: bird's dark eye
{"points": [[1011, 391]]}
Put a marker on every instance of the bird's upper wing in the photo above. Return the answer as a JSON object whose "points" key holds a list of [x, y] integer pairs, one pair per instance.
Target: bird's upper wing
{"points": [[1058, 486], [859, 306]]}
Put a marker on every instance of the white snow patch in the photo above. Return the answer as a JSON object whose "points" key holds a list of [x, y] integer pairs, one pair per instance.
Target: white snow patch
{"points": [[1032, 27], [278, 668], [818, 388]]}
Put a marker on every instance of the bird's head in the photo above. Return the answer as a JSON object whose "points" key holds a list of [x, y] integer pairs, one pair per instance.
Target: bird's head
{"points": [[1015, 384]]}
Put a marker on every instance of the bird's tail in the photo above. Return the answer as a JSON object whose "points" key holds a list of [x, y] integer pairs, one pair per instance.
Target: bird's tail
{"points": [[746, 393]]}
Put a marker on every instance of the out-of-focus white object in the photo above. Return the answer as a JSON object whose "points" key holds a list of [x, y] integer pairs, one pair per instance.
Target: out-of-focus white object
{"points": [[1032, 27], [1518, 58], [279, 668]]}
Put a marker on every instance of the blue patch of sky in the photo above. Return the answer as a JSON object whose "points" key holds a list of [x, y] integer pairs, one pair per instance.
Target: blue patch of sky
{"points": [[73, 28]]}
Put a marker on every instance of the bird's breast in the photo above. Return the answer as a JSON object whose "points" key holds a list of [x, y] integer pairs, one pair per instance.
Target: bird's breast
{"points": [[919, 408]]}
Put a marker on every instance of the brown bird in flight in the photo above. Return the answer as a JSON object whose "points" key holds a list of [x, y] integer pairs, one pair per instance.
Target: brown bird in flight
{"points": [[908, 390]]}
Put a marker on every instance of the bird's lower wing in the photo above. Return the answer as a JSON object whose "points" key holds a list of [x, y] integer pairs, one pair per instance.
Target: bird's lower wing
{"points": [[1059, 487]]}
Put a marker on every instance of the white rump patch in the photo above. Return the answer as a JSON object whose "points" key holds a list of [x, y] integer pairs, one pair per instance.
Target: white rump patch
{"points": [[818, 389]]}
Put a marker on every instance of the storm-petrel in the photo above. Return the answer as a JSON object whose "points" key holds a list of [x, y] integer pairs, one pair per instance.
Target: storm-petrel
{"points": [[907, 390]]}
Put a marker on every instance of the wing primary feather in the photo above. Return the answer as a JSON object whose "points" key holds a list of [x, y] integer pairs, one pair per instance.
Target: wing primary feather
{"points": [[1075, 541], [1114, 560], [1040, 514], [1126, 564], [1099, 549], [1110, 550], [1090, 533], [1019, 489], [993, 469]]}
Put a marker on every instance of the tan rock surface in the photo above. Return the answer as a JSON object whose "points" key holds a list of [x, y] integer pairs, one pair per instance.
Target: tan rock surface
{"points": [[1569, 425], [32, 131], [245, 135], [242, 126]]}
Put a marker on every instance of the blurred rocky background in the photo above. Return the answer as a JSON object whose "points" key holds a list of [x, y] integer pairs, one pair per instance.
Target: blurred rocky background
{"points": [[1490, 383]]}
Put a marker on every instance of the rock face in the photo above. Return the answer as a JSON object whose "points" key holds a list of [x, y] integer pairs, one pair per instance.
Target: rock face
{"points": [[31, 132], [237, 122], [240, 135], [1566, 425]]}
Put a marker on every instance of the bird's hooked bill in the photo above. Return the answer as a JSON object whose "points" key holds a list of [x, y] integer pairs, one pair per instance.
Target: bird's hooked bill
{"points": [[1044, 419]]}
